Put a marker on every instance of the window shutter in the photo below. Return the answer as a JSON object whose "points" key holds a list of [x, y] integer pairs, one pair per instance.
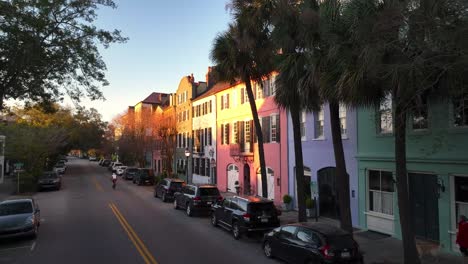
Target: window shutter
{"points": [[222, 102], [209, 136], [227, 100], [242, 95], [210, 107], [222, 134], [252, 135], [266, 129], [278, 129], [254, 132], [227, 133]]}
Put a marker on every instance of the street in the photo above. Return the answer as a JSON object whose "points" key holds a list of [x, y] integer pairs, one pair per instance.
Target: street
{"points": [[88, 222]]}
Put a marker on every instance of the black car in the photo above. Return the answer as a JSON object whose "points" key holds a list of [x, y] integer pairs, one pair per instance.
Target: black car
{"points": [[49, 180], [130, 173], [244, 215], [166, 188], [312, 243], [143, 176], [196, 198], [105, 163]]}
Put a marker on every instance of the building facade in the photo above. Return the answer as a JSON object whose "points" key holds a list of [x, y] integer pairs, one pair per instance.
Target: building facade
{"points": [[437, 161], [319, 160], [237, 147]]}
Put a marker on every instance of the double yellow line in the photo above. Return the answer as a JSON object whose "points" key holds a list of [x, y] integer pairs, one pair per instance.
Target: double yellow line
{"points": [[140, 246], [96, 183]]}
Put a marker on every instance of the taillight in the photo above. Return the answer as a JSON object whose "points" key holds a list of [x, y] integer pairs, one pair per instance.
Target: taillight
{"points": [[196, 199], [220, 198], [325, 250], [246, 217]]}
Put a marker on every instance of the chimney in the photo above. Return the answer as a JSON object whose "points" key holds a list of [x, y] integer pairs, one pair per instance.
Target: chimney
{"points": [[207, 76], [192, 78]]}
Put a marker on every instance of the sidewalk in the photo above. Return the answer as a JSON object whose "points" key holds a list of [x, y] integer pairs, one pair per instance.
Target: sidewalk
{"points": [[383, 249]]}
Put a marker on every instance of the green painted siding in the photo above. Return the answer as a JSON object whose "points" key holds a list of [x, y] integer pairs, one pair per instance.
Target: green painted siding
{"points": [[442, 150]]}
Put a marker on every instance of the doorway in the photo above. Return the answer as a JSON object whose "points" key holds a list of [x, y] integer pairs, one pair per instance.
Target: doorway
{"points": [[247, 179], [424, 205], [328, 197]]}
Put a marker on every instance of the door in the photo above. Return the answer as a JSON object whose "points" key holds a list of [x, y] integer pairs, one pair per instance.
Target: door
{"points": [[285, 243], [227, 211], [270, 183], [232, 177], [424, 205], [328, 198], [247, 179]]}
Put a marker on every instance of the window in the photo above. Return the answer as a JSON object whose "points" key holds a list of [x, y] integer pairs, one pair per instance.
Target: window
{"points": [[195, 165], [319, 123], [381, 192], [266, 129], [460, 111], [266, 88], [342, 114], [247, 131], [303, 125], [235, 138], [207, 167], [272, 85], [419, 114], [385, 116], [288, 231], [210, 107], [202, 167], [307, 236], [461, 196], [226, 134], [222, 102], [274, 123], [259, 91], [246, 96], [222, 134], [209, 137], [226, 101], [242, 95]]}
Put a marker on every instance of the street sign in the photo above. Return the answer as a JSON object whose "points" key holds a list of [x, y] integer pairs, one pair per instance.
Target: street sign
{"points": [[18, 166]]}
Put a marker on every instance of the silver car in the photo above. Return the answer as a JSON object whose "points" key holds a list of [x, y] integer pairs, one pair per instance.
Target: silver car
{"points": [[19, 216]]}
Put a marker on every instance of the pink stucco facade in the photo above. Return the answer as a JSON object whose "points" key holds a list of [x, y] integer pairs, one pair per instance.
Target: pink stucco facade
{"points": [[237, 149]]}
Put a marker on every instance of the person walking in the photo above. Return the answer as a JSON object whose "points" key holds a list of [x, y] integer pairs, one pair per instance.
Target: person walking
{"points": [[462, 235]]}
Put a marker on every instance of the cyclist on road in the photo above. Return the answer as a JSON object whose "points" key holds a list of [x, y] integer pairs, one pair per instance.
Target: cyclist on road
{"points": [[114, 180]]}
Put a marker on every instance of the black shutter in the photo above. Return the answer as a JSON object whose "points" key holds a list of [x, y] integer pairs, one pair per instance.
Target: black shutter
{"points": [[266, 129], [222, 134], [227, 133], [252, 134], [278, 129]]}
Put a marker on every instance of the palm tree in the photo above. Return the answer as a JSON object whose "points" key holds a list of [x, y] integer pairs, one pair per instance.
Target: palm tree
{"points": [[403, 49], [237, 53]]}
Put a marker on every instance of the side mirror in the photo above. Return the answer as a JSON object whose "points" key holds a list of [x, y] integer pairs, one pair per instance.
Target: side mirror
{"points": [[38, 210]]}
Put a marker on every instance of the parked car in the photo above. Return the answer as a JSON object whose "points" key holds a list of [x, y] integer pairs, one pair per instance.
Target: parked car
{"points": [[106, 163], [115, 165], [244, 215], [166, 188], [49, 180], [92, 158], [100, 162], [129, 173], [120, 170], [312, 243], [143, 176], [196, 198], [19, 216], [60, 168]]}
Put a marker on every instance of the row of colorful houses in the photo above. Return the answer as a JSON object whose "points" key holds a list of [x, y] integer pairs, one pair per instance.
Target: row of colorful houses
{"points": [[216, 143]]}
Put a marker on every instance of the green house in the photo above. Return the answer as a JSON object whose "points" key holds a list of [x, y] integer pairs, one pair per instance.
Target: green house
{"points": [[437, 161]]}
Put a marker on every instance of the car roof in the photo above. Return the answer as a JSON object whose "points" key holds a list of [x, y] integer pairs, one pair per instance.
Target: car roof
{"points": [[203, 185], [174, 180], [325, 229], [15, 199], [253, 199]]}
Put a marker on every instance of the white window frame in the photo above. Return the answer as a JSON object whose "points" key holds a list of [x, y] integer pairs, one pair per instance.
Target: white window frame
{"points": [[273, 134], [464, 99], [385, 116], [235, 137], [343, 112], [303, 124], [368, 190], [319, 121]]}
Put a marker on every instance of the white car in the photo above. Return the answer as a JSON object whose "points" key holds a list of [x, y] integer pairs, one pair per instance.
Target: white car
{"points": [[115, 166], [59, 168], [121, 170]]}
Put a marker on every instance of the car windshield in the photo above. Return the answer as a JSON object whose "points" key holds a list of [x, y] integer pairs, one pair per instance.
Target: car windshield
{"points": [[132, 170], [144, 173], [209, 192], [258, 208], [49, 176], [59, 166], [15, 208], [176, 185], [341, 241]]}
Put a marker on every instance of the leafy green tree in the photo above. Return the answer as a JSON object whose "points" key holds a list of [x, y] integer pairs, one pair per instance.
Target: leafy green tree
{"points": [[50, 48], [242, 53]]}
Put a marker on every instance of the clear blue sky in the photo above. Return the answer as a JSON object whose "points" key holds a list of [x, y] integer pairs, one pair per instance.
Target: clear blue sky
{"points": [[168, 40]]}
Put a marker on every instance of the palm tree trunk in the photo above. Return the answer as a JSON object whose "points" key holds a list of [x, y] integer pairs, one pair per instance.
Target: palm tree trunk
{"points": [[342, 177], [295, 118], [258, 132], [407, 229]]}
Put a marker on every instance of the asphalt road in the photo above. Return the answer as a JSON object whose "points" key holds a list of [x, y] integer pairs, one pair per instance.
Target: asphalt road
{"points": [[88, 222]]}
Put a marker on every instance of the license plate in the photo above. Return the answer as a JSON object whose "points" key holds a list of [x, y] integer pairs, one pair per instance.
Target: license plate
{"points": [[208, 202], [264, 220], [345, 254]]}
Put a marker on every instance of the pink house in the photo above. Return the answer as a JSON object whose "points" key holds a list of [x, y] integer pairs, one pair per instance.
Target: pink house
{"points": [[237, 148]]}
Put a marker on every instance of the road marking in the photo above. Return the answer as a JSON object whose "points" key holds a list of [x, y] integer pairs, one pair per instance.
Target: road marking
{"points": [[33, 246], [96, 183], [13, 248], [140, 246]]}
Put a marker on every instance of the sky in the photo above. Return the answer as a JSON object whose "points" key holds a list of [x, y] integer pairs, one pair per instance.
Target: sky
{"points": [[168, 39]]}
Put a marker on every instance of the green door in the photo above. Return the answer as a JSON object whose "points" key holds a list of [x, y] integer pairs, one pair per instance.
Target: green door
{"points": [[424, 205]]}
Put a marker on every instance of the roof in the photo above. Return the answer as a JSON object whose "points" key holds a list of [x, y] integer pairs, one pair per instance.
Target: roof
{"points": [[18, 198], [155, 98], [322, 228], [218, 87]]}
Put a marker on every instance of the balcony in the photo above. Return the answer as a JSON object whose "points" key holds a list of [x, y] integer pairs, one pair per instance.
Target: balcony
{"points": [[241, 149]]}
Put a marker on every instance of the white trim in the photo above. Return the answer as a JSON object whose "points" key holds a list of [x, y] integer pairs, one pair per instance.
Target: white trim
{"points": [[376, 214]]}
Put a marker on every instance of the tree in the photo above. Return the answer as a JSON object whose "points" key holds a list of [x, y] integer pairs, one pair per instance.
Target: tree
{"points": [[50, 48], [405, 50], [237, 54]]}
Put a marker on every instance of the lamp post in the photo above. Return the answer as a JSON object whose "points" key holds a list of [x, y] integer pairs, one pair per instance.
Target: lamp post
{"points": [[187, 155], [213, 164]]}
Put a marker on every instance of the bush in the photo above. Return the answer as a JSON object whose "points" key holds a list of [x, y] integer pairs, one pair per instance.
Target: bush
{"points": [[287, 199], [309, 203], [157, 179]]}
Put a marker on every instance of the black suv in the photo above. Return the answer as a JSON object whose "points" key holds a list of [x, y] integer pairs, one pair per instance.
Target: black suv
{"points": [[143, 176], [166, 188], [244, 215], [197, 198], [130, 173]]}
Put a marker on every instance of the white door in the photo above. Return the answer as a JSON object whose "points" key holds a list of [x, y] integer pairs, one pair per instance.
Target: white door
{"points": [[270, 184], [232, 177]]}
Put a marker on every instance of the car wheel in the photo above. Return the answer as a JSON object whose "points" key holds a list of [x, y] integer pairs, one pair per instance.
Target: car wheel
{"points": [[35, 232], [155, 193], [214, 219], [236, 231], [139, 183], [133, 181], [163, 198], [267, 249], [188, 210], [176, 206]]}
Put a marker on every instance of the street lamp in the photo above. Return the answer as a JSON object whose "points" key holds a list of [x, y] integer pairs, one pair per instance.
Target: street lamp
{"points": [[187, 155]]}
